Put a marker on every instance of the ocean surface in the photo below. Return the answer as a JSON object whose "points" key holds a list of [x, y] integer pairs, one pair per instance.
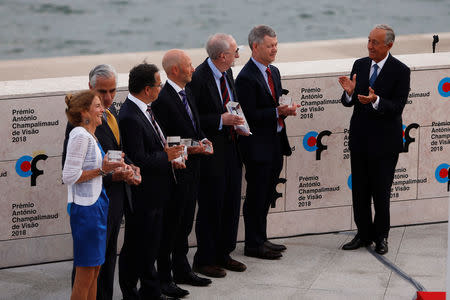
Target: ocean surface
{"points": [[38, 28]]}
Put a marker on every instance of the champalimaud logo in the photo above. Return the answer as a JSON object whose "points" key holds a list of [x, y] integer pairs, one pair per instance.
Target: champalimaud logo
{"points": [[312, 141], [444, 87], [442, 173], [26, 167], [407, 139]]}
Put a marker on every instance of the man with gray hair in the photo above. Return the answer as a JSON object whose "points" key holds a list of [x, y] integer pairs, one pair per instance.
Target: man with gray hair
{"points": [[219, 194], [377, 89], [258, 87], [103, 80]]}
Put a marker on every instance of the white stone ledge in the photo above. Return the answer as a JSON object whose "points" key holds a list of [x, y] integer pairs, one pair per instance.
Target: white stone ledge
{"points": [[303, 69]]}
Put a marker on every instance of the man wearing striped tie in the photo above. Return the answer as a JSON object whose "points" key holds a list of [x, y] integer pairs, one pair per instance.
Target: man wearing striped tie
{"points": [[377, 89], [177, 113]]}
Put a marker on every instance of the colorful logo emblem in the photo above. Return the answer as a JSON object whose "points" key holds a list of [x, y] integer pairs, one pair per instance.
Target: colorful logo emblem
{"points": [[441, 173], [23, 166], [444, 87], [404, 127], [312, 141], [349, 181], [26, 167]]}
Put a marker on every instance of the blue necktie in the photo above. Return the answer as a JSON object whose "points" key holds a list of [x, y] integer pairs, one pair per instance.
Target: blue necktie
{"points": [[186, 106], [374, 75]]}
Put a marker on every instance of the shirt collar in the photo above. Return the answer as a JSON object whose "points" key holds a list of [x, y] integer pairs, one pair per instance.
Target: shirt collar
{"points": [[217, 74], [260, 66], [175, 86], [141, 104], [381, 62]]}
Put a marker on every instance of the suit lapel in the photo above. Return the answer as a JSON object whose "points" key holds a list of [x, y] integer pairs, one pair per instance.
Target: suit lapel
{"points": [[140, 114], [179, 103], [384, 70], [212, 86], [260, 77], [230, 80], [364, 77]]}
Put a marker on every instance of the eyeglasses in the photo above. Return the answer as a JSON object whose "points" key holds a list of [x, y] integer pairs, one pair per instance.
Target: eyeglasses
{"points": [[235, 52]]}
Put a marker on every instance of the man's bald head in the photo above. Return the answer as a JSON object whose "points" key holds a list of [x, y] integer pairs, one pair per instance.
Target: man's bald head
{"points": [[178, 66]]}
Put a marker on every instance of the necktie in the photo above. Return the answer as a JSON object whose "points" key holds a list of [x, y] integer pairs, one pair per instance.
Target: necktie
{"points": [[225, 100], [112, 123], [272, 90], [155, 126], [186, 106], [224, 90], [374, 75]]}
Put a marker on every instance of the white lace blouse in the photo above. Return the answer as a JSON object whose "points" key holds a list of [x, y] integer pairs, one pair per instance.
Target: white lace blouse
{"points": [[83, 153]]}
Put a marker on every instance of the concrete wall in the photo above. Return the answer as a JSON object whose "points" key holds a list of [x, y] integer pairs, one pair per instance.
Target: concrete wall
{"points": [[34, 226]]}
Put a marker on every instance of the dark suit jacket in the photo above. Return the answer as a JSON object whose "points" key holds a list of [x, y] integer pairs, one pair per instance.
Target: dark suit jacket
{"points": [[210, 108], [259, 109], [378, 131], [117, 191], [142, 145], [175, 121]]}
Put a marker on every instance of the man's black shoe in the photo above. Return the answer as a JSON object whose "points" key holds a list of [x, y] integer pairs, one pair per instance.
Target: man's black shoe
{"points": [[356, 243], [381, 247], [233, 265], [262, 252], [172, 290], [210, 270], [192, 279], [274, 247]]}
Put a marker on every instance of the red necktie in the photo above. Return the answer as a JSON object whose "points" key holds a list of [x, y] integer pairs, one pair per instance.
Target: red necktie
{"points": [[272, 89], [225, 100], [224, 90]]}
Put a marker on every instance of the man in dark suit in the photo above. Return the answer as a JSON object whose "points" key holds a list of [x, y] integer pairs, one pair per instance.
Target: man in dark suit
{"points": [[221, 173], [258, 87], [145, 144], [377, 89], [178, 116], [103, 80]]}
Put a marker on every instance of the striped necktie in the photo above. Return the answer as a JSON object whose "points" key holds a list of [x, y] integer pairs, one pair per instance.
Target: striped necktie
{"points": [[224, 90], [272, 90], [374, 75], [155, 126], [186, 106]]}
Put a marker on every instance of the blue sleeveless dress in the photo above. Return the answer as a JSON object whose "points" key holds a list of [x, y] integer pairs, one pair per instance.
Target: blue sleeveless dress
{"points": [[88, 224]]}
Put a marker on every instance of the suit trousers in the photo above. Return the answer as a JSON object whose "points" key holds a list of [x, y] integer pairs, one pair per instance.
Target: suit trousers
{"points": [[219, 200], [137, 258], [372, 178], [262, 178], [177, 225]]}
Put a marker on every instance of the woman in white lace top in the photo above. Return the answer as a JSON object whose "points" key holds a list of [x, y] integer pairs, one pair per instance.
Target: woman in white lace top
{"points": [[84, 167]]}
